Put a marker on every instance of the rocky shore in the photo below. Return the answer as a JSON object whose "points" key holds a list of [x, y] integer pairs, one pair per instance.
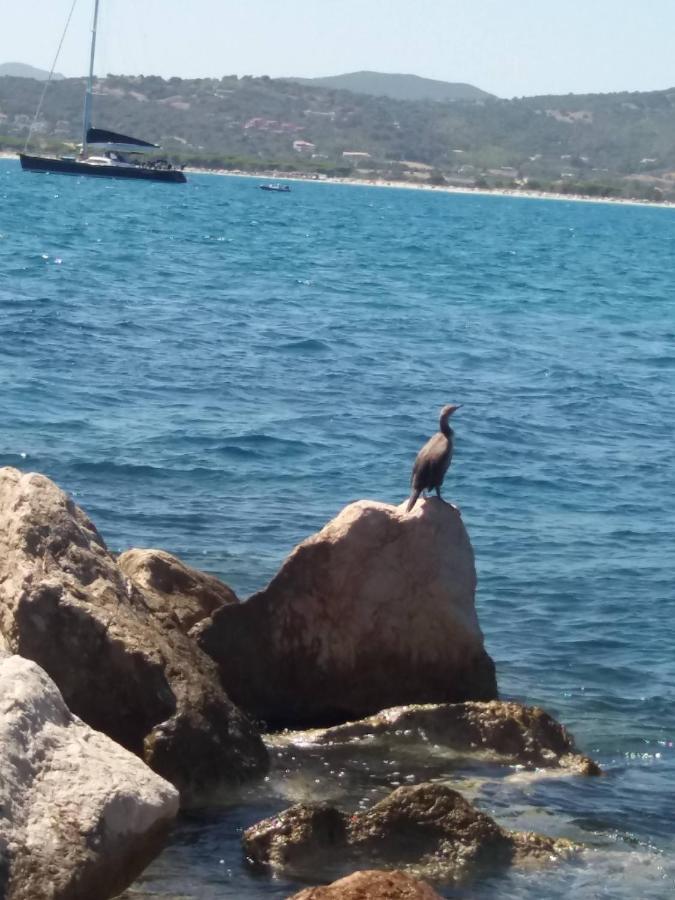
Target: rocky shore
{"points": [[135, 685]]}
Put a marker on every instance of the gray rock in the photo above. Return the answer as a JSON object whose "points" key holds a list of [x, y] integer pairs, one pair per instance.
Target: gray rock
{"points": [[428, 829], [65, 604], [80, 817], [174, 591], [375, 610], [372, 885], [505, 731]]}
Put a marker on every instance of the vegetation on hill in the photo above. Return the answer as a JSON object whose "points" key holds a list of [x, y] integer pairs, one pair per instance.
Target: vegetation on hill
{"points": [[398, 87], [614, 144]]}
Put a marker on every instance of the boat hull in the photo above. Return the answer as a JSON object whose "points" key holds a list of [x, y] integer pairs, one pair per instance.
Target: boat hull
{"points": [[78, 167]]}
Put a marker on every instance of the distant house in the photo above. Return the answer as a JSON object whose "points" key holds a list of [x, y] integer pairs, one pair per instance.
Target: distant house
{"points": [[355, 154], [411, 164], [317, 112], [258, 123], [507, 171], [304, 146]]}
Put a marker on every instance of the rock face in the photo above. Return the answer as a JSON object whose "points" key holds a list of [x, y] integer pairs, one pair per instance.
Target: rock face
{"points": [[375, 610], [80, 817], [174, 591], [508, 731], [65, 604], [372, 885], [428, 828]]}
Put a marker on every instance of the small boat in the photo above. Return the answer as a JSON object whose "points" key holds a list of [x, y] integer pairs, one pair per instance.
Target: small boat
{"points": [[121, 156], [277, 188]]}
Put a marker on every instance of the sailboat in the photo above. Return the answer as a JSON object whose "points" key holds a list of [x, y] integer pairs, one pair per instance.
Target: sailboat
{"points": [[119, 155]]}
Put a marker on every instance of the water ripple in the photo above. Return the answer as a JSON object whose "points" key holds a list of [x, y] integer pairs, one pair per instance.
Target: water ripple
{"points": [[217, 374]]}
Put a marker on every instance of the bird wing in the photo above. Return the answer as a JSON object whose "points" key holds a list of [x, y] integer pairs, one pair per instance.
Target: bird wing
{"points": [[431, 463]]}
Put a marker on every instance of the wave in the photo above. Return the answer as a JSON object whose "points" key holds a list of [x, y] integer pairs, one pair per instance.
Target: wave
{"points": [[305, 345]]}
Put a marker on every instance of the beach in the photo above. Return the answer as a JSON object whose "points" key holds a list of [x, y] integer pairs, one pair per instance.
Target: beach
{"points": [[443, 189], [446, 189]]}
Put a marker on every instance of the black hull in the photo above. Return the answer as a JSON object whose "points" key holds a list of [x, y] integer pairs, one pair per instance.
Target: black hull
{"points": [[76, 167]]}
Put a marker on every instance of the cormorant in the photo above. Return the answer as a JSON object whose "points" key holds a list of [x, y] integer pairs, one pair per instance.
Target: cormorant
{"points": [[433, 459]]}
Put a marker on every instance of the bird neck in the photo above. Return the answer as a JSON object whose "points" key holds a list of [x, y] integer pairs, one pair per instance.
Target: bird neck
{"points": [[445, 428]]}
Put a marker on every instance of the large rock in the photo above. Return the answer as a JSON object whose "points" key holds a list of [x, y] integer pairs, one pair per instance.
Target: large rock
{"points": [[429, 829], [65, 604], [174, 591], [506, 731], [80, 817], [375, 610], [372, 885]]}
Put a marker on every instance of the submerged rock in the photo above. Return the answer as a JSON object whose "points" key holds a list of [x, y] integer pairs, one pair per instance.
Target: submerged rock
{"points": [[80, 817], [525, 735], [174, 591], [377, 609], [65, 604], [429, 829], [372, 885]]}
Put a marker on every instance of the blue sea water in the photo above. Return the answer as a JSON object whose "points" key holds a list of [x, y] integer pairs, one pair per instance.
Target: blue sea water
{"points": [[217, 371]]}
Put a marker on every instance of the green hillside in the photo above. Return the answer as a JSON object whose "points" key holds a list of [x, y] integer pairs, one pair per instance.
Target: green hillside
{"points": [[622, 143], [398, 87]]}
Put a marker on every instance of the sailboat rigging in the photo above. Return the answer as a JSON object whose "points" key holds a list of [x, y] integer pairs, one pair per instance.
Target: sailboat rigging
{"points": [[120, 155]]}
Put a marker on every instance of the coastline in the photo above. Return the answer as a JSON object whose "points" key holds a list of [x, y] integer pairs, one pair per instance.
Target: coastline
{"points": [[442, 189], [409, 186]]}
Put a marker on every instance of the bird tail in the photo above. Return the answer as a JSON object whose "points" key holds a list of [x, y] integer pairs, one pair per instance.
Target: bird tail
{"points": [[413, 500]]}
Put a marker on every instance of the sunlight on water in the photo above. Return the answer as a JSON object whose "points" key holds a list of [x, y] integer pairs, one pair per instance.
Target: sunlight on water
{"points": [[213, 371]]}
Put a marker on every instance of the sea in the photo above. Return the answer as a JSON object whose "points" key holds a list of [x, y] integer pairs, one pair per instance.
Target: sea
{"points": [[217, 371]]}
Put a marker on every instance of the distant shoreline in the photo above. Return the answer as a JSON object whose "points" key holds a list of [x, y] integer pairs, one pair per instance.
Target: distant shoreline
{"points": [[442, 189]]}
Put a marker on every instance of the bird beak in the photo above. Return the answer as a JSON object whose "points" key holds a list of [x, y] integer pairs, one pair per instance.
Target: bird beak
{"points": [[456, 407]]}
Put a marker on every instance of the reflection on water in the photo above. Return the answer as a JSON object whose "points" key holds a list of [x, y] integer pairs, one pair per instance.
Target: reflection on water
{"points": [[615, 863]]}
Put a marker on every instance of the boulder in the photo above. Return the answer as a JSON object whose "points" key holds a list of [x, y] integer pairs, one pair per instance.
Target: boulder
{"points": [[507, 731], [372, 885], [428, 828], [80, 817], [175, 592], [375, 610], [65, 604]]}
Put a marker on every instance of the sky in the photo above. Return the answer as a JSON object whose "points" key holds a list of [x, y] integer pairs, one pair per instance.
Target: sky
{"points": [[512, 49]]}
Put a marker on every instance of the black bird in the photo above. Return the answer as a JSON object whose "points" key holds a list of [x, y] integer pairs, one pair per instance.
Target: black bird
{"points": [[433, 459]]}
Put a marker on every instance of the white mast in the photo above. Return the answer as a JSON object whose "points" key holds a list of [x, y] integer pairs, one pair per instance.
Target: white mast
{"points": [[90, 81]]}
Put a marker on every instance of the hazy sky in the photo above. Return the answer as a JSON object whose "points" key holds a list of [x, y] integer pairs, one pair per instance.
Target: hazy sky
{"points": [[508, 48]]}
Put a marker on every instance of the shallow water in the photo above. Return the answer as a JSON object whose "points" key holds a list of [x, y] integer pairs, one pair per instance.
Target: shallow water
{"points": [[216, 370]]}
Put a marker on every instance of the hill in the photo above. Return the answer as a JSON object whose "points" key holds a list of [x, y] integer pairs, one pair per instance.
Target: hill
{"points": [[21, 70], [398, 87], [598, 143]]}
